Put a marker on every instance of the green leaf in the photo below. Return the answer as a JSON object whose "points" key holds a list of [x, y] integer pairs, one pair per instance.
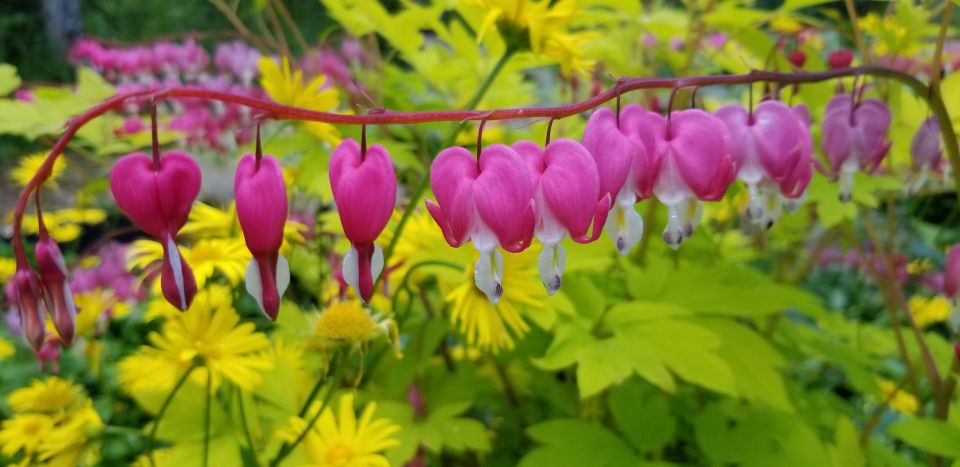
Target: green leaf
{"points": [[642, 416], [755, 437], [9, 81], [846, 451], [935, 436], [754, 362], [600, 365], [575, 443]]}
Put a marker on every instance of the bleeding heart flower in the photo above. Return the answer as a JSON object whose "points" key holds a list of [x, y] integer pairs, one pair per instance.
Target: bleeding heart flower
{"points": [[854, 137], [771, 150], [951, 284], [262, 210], [841, 58], [925, 152], [53, 279], [30, 306], [489, 203], [626, 168], [951, 276], [365, 190], [566, 188], [693, 165], [157, 197]]}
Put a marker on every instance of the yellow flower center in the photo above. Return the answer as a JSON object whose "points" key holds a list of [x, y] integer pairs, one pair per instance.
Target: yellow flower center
{"points": [[345, 321], [339, 454]]}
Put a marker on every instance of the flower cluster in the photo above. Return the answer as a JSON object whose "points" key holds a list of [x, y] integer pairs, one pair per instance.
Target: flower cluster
{"points": [[54, 423], [163, 64]]}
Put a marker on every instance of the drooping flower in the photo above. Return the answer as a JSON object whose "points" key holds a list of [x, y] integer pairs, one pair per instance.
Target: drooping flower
{"points": [[343, 440], [841, 58], [30, 306], [53, 279], [691, 157], [926, 151], [364, 188], [262, 210], [157, 196], [854, 137], [626, 171], [489, 202], [566, 190], [771, 150]]}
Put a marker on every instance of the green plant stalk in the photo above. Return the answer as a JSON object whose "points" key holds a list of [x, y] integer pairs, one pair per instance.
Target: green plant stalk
{"points": [[332, 376], [163, 410], [246, 426], [425, 183], [206, 419]]}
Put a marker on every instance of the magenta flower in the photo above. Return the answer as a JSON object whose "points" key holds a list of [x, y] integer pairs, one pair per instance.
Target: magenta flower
{"points": [[566, 189], [626, 170], [53, 279], [30, 306], [365, 191], [771, 150], [157, 197], [854, 137], [951, 284], [951, 276], [692, 164], [489, 203], [262, 210], [925, 152]]}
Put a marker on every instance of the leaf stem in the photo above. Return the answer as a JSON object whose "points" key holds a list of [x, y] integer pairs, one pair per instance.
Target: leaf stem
{"points": [[163, 410], [206, 419], [332, 376]]}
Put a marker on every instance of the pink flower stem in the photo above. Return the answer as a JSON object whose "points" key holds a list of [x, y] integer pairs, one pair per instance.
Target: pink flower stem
{"points": [[390, 117]]}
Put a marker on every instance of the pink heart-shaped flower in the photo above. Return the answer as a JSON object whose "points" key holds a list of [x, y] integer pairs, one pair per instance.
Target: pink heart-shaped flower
{"points": [[566, 190], [364, 187], [156, 198], [262, 211]]}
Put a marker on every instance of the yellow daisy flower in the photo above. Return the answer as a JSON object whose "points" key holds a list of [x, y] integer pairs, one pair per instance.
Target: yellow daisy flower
{"points": [[74, 441], [542, 25], [7, 349], [64, 225], [286, 86], [28, 166], [52, 395], [205, 257], [492, 327], [928, 311], [211, 297], [344, 441], [213, 338], [486, 326], [24, 432], [899, 400], [8, 266]]}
